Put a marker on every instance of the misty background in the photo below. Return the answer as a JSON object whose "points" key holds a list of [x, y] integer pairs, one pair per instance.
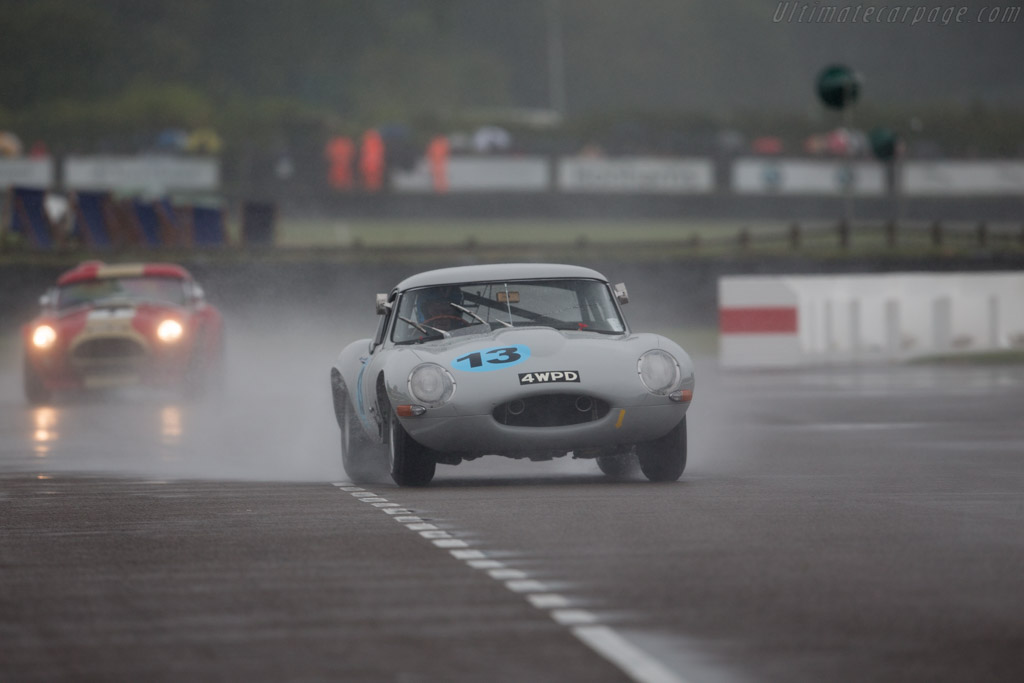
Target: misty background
{"points": [[108, 76]]}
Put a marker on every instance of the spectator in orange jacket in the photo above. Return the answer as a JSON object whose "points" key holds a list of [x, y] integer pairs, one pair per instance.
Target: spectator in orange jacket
{"points": [[372, 161], [437, 156], [340, 153]]}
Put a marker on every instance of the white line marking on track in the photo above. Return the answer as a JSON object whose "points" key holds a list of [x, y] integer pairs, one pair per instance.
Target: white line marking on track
{"points": [[507, 574], [616, 649], [435, 534], [603, 640], [486, 564], [547, 600], [573, 617], [526, 586]]}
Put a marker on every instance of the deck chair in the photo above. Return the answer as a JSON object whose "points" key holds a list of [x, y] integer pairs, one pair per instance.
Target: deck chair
{"points": [[173, 225], [147, 222], [29, 218], [92, 224], [208, 229]]}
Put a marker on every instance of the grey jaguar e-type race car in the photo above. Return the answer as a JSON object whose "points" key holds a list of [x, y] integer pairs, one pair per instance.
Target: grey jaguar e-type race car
{"points": [[520, 360]]}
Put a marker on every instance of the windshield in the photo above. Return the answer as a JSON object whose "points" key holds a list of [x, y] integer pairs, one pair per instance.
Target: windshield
{"points": [[453, 310], [154, 289]]}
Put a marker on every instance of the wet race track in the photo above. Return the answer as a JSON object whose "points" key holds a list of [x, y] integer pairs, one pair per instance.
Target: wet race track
{"points": [[832, 525]]}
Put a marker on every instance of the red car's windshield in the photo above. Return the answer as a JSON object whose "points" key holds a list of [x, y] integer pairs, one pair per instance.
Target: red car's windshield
{"points": [[153, 289]]}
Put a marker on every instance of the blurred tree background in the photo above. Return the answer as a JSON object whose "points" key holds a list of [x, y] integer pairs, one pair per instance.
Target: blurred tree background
{"points": [[88, 76]]}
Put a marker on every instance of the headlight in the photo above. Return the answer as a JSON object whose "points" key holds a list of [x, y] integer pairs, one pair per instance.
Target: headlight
{"points": [[44, 337], [431, 385], [169, 331], [659, 372]]}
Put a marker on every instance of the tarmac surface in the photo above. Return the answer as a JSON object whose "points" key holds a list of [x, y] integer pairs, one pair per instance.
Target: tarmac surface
{"points": [[840, 524]]}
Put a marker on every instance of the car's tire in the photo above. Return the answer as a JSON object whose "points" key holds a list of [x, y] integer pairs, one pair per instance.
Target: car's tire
{"points": [[664, 459], [363, 462], [618, 466], [36, 391], [410, 463]]}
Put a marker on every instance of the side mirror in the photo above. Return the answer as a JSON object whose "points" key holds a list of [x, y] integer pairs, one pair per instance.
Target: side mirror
{"points": [[382, 304], [621, 295], [46, 300]]}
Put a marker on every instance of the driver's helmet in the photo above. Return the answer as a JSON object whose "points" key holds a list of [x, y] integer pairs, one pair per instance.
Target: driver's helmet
{"points": [[437, 301]]}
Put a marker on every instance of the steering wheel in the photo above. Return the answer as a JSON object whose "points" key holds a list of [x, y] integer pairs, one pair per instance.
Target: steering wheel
{"points": [[454, 322]]}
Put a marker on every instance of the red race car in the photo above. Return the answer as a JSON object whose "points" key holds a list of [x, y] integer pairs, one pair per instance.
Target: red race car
{"points": [[106, 326]]}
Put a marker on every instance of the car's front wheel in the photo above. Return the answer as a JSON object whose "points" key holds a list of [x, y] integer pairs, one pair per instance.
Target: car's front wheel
{"points": [[664, 459], [411, 464], [361, 460]]}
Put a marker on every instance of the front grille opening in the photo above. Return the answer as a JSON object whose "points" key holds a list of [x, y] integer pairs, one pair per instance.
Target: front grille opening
{"points": [[555, 410], [109, 348]]}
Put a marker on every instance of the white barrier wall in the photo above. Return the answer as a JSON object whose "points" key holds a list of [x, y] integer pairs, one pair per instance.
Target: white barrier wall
{"points": [[807, 176], [772, 321], [963, 178], [155, 175], [636, 175], [479, 174], [37, 174]]}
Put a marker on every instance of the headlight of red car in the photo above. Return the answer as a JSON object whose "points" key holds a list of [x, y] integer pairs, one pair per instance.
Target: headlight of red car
{"points": [[44, 337], [170, 331]]}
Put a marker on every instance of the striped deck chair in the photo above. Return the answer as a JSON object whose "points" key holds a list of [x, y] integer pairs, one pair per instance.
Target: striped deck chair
{"points": [[91, 224], [147, 221], [29, 218], [173, 227], [208, 229]]}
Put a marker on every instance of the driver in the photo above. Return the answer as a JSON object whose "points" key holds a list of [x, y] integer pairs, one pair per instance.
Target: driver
{"points": [[434, 307]]}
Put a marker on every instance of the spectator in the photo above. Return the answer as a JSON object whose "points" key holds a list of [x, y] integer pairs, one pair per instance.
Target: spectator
{"points": [[437, 156], [340, 154], [372, 161]]}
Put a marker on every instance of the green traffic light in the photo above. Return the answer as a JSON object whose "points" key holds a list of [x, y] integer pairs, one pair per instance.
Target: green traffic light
{"points": [[838, 86]]}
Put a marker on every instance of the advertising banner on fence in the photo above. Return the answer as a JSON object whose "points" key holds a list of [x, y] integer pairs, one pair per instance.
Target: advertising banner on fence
{"points": [[809, 177], [32, 173], [149, 175], [640, 175], [478, 174], [991, 178]]}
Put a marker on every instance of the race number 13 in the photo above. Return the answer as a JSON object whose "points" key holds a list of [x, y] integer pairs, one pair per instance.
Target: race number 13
{"points": [[492, 359]]}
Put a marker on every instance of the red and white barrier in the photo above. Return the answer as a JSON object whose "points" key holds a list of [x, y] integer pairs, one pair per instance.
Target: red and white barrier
{"points": [[773, 321], [758, 322]]}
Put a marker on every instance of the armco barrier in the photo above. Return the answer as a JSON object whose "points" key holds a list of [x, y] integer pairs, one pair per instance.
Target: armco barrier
{"points": [[779, 321]]}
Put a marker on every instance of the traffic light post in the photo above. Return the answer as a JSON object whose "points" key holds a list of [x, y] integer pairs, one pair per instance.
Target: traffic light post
{"points": [[838, 88], [887, 147]]}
